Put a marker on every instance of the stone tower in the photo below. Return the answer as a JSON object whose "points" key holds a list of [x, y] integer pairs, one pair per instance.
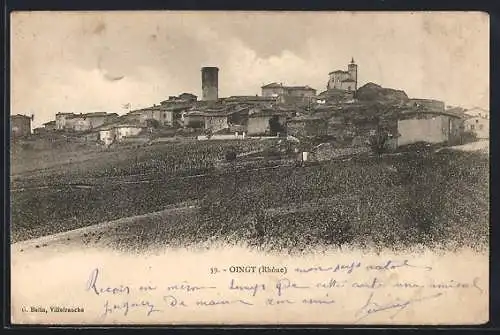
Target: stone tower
{"points": [[210, 83], [352, 68]]}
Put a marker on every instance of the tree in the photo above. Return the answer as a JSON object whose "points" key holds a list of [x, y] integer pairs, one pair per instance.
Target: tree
{"points": [[231, 154], [378, 141], [275, 126], [208, 132], [152, 123]]}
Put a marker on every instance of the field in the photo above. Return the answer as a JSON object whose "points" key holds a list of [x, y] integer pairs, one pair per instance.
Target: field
{"points": [[432, 199]]}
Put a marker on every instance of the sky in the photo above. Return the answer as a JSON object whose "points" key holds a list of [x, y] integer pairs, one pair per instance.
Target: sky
{"points": [[98, 61]]}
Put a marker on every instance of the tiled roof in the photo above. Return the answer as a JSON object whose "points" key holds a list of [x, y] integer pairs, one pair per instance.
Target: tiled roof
{"points": [[95, 114], [306, 118], [187, 94], [300, 88], [118, 125], [17, 116], [338, 71], [195, 113], [272, 85], [249, 97], [447, 113], [266, 112], [86, 115]]}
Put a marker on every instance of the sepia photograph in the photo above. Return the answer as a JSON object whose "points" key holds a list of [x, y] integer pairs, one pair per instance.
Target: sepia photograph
{"points": [[248, 168]]}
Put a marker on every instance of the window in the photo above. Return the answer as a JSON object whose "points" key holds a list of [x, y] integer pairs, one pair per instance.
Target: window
{"points": [[477, 121], [481, 127], [472, 127]]}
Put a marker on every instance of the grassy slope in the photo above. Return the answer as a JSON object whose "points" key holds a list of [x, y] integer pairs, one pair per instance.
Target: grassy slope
{"points": [[389, 201]]}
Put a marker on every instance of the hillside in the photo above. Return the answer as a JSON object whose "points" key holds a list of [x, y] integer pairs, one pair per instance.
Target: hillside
{"points": [[383, 201]]}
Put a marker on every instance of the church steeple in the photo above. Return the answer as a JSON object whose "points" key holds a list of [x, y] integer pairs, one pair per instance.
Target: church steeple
{"points": [[352, 68]]}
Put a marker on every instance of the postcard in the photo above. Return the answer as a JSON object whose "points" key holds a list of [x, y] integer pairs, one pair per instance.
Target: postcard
{"points": [[249, 168]]}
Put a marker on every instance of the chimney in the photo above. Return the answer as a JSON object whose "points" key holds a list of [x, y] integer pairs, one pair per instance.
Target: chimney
{"points": [[210, 83]]}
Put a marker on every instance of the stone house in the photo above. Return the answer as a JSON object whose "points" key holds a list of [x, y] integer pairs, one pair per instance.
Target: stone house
{"points": [[262, 121], [288, 94], [478, 125], [430, 127], [307, 126], [20, 125], [118, 132]]}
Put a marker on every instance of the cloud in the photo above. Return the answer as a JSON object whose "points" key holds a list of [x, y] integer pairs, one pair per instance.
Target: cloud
{"points": [[104, 60]]}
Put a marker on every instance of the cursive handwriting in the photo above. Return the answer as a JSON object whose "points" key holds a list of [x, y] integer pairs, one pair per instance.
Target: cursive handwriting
{"points": [[453, 284], [391, 265], [371, 307], [284, 284], [374, 283], [92, 286], [212, 302], [312, 301], [185, 286], [339, 267], [253, 288], [274, 302], [126, 306], [332, 283], [172, 301], [372, 290]]}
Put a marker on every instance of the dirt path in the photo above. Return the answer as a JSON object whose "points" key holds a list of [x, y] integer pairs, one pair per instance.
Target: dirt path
{"points": [[94, 233], [474, 146]]}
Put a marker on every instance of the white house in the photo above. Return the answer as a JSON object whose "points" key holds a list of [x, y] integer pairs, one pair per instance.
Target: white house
{"points": [[116, 133], [123, 130], [477, 112], [107, 136], [478, 125]]}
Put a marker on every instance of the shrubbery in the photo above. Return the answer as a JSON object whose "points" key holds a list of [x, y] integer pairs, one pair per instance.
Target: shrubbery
{"points": [[396, 201]]}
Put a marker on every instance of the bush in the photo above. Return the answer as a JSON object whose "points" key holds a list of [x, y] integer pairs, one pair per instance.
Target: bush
{"points": [[231, 155], [378, 142], [361, 202], [468, 137]]}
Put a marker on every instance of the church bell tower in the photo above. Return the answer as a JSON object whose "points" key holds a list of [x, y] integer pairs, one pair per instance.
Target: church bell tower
{"points": [[352, 68]]}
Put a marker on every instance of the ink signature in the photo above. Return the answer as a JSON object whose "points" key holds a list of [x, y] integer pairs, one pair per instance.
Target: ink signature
{"points": [[371, 307]]}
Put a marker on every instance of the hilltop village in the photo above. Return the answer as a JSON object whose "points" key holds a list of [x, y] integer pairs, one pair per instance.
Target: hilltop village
{"points": [[344, 113], [288, 169]]}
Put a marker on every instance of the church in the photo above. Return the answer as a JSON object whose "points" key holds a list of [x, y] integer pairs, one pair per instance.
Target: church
{"points": [[344, 80]]}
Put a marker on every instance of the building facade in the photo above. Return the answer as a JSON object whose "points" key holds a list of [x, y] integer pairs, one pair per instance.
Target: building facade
{"points": [[117, 133], [478, 112], [20, 125], [307, 127], [288, 94], [166, 115], [344, 80], [61, 120], [216, 122], [193, 119], [51, 125], [479, 126], [83, 121], [432, 128], [266, 122]]}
